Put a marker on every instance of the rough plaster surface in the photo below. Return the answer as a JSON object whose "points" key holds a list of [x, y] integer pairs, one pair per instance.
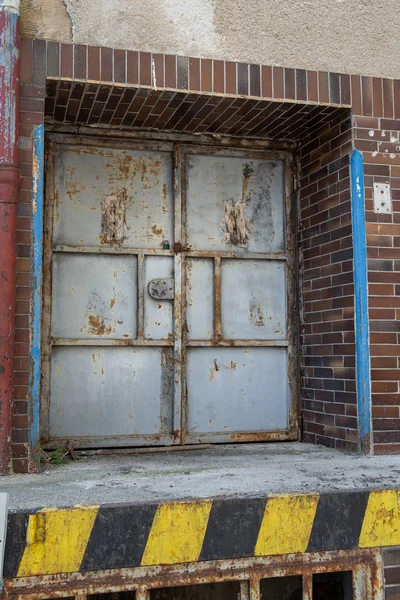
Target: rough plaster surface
{"points": [[46, 19], [248, 470], [353, 36]]}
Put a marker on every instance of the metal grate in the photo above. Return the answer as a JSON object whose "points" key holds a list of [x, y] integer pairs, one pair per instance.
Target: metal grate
{"points": [[341, 575]]}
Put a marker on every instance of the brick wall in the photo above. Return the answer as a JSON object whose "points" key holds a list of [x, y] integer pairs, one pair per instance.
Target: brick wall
{"points": [[31, 115], [328, 390], [378, 140], [391, 561], [40, 58], [328, 351]]}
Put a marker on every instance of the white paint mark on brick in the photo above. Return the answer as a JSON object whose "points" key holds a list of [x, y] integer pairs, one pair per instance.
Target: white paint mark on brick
{"points": [[153, 73]]}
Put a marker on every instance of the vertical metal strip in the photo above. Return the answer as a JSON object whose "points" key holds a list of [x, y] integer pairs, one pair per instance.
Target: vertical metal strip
{"points": [[307, 586], [217, 300], [244, 590], [362, 584], [255, 589], [377, 575], [36, 291], [292, 308], [178, 412], [361, 303], [140, 295], [46, 340]]}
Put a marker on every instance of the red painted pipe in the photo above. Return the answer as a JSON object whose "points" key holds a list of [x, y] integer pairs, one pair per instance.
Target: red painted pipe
{"points": [[9, 181]]}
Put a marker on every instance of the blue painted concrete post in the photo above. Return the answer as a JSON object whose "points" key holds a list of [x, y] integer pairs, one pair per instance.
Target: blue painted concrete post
{"points": [[36, 294], [361, 304]]}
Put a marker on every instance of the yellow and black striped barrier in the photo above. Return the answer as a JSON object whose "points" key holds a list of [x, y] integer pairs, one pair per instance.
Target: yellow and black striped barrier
{"points": [[90, 538]]}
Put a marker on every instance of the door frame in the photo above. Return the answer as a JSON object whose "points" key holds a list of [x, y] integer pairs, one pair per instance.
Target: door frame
{"points": [[179, 145]]}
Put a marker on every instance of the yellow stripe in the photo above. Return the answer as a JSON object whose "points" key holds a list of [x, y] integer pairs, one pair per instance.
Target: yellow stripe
{"points": [[286, 525], [177, 533], [56, 540], [381, 525]]}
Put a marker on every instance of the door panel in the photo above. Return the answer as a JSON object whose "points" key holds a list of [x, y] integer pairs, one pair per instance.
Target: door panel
{"points": [[236, 389], [200, 298], [253, 296], [86, 177], [100, 392], [220, 187], [94, 296]]}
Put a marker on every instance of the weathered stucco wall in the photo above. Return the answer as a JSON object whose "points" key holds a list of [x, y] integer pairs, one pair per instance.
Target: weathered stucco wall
{"points": [[354, 36]]}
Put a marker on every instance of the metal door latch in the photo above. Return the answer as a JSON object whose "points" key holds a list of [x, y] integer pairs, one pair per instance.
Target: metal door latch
{"points": [[161, 289]]}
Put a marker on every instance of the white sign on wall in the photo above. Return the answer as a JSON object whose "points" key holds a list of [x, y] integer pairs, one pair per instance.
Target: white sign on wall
{"points": [[382, 198]]}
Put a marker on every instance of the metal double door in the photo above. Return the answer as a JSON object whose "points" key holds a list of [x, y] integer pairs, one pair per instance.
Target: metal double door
{"points": [[169, 302]]}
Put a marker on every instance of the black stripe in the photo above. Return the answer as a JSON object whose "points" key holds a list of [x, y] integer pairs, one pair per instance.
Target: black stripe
{"points": [[118, 537], [233, 528], [15, 543], [338, 521]]}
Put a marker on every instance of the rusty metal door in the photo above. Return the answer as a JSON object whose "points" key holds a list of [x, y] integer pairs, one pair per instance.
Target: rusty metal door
{"points": [[238, 339], [165, 295]]}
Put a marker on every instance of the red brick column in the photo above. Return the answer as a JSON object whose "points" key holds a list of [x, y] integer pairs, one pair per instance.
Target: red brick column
{"points": [[32, 79], [328, 386], [377, 136]]}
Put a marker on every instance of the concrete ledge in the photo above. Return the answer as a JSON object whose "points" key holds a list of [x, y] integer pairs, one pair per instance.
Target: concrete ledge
{"points": [[231, 471]]}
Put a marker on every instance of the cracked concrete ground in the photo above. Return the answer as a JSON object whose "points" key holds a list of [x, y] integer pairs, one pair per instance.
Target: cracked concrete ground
{"points": [[222, 471]]}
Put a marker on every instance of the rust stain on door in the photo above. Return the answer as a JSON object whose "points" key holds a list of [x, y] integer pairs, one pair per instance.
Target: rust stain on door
{"points": [[235, 213], [113, 218], [97, 325]]}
